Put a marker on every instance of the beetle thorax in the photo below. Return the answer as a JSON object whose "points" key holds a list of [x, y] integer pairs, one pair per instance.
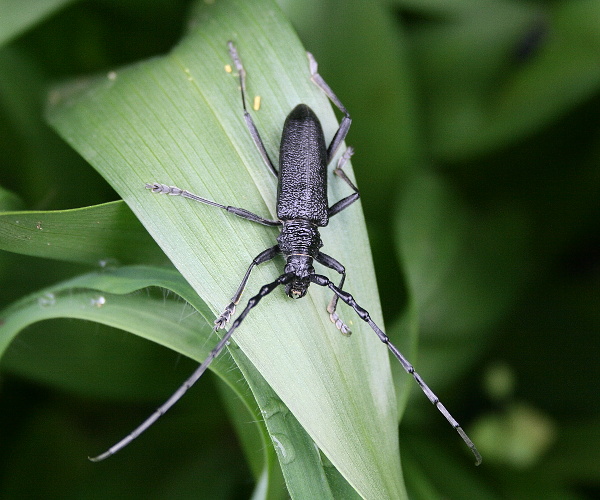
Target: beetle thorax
{"points": [[299, 237], [299, 242]]}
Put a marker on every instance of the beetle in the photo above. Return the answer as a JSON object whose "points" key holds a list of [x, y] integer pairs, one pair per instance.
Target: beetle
{"points": [[302, 208]]}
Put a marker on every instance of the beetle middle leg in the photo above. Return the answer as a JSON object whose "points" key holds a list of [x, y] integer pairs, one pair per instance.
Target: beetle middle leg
{"points": [[264, 256], [158, 188]]}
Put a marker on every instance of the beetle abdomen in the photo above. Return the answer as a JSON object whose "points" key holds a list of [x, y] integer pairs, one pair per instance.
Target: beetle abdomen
{"points": [[302, 191]]}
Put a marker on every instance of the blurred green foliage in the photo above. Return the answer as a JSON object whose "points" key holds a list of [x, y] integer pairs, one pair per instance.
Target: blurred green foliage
{"points": [[477, 154]]}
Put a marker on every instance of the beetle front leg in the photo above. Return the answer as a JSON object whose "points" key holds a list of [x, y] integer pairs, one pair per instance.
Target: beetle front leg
{"points": [[226, 315], [331, 263]]}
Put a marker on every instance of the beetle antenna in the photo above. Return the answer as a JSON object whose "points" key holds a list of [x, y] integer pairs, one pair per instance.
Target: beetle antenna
{"points": [[176, 396], [364, 315]]}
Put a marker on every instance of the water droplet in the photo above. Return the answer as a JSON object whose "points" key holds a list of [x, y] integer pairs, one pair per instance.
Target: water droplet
{"points": [[284, 448], [274, 406], [98, 301], [108, 263], [47, 300]]}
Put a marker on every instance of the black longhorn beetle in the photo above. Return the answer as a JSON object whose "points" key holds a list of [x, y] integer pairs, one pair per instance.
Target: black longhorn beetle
{"points": [[302, 208]]}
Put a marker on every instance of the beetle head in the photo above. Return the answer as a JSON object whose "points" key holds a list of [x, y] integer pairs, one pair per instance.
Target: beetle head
{"points": [[300, 267]]}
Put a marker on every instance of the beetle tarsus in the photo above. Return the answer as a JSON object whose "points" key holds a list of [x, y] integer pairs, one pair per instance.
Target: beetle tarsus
{"points": [[225, 316]]}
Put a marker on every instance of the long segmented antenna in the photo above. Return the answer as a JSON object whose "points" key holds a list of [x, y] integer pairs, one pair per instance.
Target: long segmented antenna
{"points": [[264, 291], [364, 315]]}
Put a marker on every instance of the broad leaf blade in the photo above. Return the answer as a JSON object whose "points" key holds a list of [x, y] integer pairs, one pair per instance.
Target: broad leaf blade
{"points": [[177, 120]]}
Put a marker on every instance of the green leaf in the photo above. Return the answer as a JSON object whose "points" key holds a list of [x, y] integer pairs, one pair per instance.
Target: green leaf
{"points": [[101, 235], [58, 302], [19, 15], [177, 120]]}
